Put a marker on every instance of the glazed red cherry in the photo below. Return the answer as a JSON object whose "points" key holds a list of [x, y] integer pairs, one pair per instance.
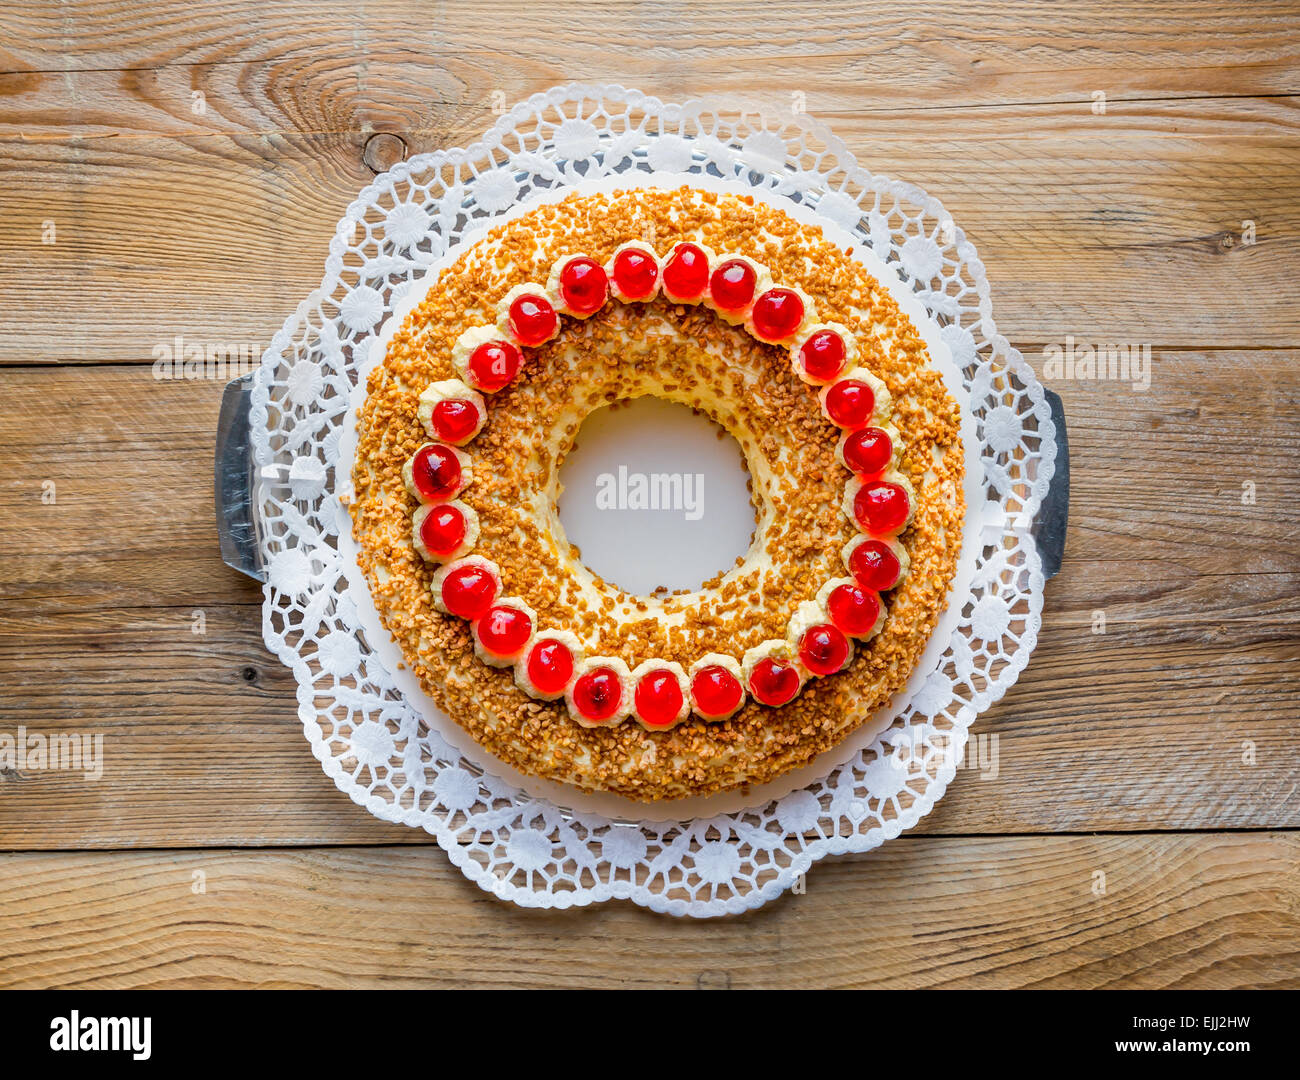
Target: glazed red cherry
{"points": [[822, 355], [635, 274], [853, 609], [584, 285], [468, 591], [493, 365], [598, 693], [777, 314], [732, 284], [875, 566], [503, 631], [686, 273], [443, 530], [868, 451], [823, 650], [550, 666], [532, 319], [436, 472], [716, 690], [773, 682], [850, 403], [454, 420], [658, 698], [881, 507]]}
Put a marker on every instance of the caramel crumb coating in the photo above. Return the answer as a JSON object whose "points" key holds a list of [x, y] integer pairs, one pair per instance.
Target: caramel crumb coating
{"points": [[686, 354]]}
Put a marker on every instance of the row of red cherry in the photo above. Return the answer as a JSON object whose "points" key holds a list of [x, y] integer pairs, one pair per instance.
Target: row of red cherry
{"points": [[550, 665], [659, 694]]}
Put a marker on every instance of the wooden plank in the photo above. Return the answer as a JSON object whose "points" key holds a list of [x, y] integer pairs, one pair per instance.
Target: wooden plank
{"points": [[307, 85], [1196, 911], [201, 741], [1125, 224], [130, 461], [865, 51], [1152, 721], [218, 238], [1208, 450]]}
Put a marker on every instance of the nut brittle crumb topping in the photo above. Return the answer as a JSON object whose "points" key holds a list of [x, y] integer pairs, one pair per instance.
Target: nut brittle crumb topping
{"points": [[687, 354]]}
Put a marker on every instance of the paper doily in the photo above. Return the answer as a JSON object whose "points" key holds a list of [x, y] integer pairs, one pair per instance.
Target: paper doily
{"points": [[528, 849]]}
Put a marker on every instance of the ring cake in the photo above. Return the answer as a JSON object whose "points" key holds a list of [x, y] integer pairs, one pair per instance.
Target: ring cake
{"points": [[740, 312]]}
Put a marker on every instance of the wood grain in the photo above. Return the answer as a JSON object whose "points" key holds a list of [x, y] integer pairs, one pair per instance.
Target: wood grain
{"points": [[1152, 720], [1195, 911], [227, 216], [202, 743], [1176, 724], [864, 52], [1141, 242]]}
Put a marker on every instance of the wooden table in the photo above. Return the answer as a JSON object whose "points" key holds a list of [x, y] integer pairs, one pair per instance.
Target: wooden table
{"points": [[1130, 174]]}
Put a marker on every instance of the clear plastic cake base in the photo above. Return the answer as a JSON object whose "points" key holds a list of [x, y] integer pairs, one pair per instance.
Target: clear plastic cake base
{"points": [[384, 743]]}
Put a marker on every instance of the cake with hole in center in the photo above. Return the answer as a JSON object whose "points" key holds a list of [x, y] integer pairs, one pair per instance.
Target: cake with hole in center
{"points": [[732, 308]]}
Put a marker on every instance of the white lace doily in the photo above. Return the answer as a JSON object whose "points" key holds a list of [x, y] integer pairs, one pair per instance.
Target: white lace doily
{"points": [[529, 849]]}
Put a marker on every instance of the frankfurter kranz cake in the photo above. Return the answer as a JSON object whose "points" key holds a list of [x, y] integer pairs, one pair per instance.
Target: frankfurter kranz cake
{"points": [[737, 310]]}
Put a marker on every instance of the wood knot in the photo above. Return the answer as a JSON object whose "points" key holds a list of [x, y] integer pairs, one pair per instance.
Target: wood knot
{"points": [[383, 150]]}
